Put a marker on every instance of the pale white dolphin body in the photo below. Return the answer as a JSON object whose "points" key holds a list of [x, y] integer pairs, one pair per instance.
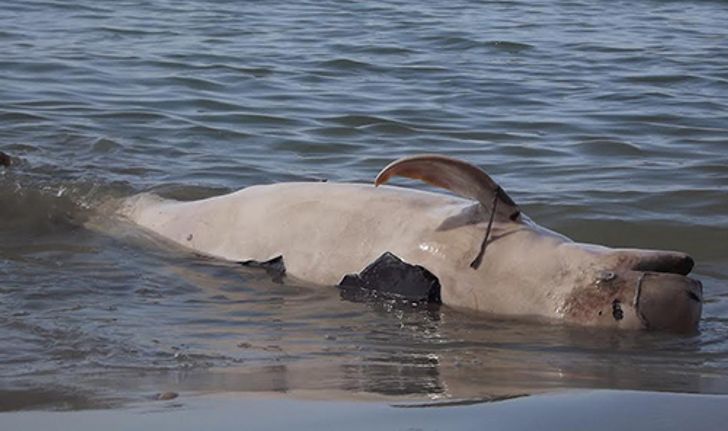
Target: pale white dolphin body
{"points": [[324, 231]]}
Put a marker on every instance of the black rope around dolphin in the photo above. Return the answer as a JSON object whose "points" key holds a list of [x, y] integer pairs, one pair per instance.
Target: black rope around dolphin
{"points": [[475, 264]]}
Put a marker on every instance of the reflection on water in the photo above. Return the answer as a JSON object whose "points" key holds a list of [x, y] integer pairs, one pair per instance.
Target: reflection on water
{"points": [[605, 122]]}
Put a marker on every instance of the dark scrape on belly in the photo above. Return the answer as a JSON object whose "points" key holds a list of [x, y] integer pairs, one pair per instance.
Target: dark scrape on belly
{"points": [[389, 277], [275, 267]]}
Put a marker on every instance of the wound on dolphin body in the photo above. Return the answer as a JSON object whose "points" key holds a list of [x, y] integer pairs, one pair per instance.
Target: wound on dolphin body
{"points": [[617, 312], [275, 267]]}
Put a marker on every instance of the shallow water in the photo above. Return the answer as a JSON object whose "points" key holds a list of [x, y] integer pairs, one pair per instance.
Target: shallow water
{"points": [[605, 121]]}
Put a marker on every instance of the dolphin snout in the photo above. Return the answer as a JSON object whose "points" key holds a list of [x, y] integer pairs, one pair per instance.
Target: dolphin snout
{"points": [[664, 261], [669, 301]]}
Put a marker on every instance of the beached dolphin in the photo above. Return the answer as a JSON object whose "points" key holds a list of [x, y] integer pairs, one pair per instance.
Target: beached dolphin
{"points": [[476, 250]]}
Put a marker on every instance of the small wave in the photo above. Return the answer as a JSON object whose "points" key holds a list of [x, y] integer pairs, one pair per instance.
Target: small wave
{"points": [[530, 152], [466, 43], [25, 67], [8, 35], [204, 130], [540, 127], [509, 46], [423, 69], [609, 147], [373, 123], [257, 72], [620, 96], [127, 31], [659, 79], [348, 65], [141, 116], [391, 128], [105, 145], [334, 132], [22, 117], [196, 83], [453, 42], [217, 66], [76, 7], [479, 135], [592, 47], [354, 120], [202, 103], [244, 118], [393, 50], [319, 148]]}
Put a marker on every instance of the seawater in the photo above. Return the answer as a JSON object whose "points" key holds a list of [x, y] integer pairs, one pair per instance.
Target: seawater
{"points": [[606, 121]]}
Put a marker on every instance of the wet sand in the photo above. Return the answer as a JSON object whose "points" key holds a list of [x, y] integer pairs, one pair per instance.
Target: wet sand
{"points": [[573, 410]]}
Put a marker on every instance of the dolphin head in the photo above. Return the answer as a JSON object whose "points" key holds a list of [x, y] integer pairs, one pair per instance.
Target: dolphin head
{"points": [[633, 288], [593, 285]]}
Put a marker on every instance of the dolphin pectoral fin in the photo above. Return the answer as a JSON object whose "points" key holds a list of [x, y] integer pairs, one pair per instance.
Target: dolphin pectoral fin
{"points": [[459, 177], [391, 277]]}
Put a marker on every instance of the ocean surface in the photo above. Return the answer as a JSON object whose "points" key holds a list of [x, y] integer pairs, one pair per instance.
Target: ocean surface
{"points": [[606, 121]]}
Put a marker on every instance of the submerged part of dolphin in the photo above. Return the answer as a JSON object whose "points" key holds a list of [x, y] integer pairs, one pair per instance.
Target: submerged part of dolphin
{"points": [[478, 250]]}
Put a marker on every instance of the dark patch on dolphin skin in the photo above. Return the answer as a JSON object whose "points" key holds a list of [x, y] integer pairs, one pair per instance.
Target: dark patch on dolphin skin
{"points": [[5, 159], [390, 277], [617, 312], [692, 295], [275, 267]]}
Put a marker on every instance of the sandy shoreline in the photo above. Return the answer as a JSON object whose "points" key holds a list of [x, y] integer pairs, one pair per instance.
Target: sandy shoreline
{"points": [[593, 410]]}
